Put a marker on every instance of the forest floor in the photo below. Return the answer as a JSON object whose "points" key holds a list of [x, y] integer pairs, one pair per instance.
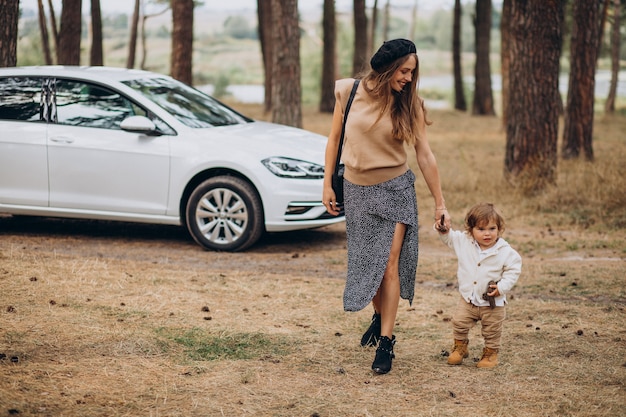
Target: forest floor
{"points": [[118, 319]]}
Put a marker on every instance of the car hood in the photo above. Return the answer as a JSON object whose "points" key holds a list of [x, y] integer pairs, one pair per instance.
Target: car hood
{"points": [[269, 139]]}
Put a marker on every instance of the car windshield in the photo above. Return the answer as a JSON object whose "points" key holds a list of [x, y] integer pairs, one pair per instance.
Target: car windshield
{"points": [[188, 105]]}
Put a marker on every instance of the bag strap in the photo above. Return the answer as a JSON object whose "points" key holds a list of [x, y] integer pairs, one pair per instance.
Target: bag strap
{"points": [[343, 127]]}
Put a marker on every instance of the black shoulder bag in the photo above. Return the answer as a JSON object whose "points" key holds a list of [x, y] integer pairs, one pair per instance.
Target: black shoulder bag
{"points": [[337, 179]]}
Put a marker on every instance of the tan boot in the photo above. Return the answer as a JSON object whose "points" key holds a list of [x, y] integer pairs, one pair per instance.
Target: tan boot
{"points": [[489, 359], [459, 352]]}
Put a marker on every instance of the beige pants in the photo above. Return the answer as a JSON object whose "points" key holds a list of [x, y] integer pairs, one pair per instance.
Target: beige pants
{"points": [[491, 320]]}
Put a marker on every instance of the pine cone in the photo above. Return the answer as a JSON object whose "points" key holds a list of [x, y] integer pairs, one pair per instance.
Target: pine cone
{"points": [[491, 299]]}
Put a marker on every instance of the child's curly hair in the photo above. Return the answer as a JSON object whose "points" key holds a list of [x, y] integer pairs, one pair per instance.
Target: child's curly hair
{"points": [[481, 214]]}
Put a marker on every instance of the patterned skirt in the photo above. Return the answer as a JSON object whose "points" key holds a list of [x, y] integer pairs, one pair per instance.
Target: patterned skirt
{"points": [[372, 213]]}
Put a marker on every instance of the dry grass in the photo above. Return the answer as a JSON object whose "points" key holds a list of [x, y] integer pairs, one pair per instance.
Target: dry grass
{"points": [[106, 319]]}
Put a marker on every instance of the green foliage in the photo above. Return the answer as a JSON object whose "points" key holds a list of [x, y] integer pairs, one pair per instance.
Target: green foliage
{"points": [[238, 27], [439, 28], [120, 45], [398, 28], [311, 73], [29, 28], [84, 29], [28, 13], [202, 345], [436, 94], [115, 22], [30, 52], [345, 48], [220, 85], [163, 32]]}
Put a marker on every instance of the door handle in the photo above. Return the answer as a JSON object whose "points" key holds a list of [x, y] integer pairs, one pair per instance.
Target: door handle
{"points": [[62, 139]]}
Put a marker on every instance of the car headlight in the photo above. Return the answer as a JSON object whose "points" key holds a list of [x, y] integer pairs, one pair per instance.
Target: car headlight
{"points": [[293, 168]]}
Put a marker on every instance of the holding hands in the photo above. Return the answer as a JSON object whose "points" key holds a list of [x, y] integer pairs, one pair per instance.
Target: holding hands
{"points": [[442, 220]]}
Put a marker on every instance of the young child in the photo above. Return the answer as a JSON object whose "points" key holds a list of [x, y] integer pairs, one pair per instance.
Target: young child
{"points": [[483, 256]]}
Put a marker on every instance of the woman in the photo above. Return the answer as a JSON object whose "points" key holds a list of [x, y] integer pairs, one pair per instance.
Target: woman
{"points": [[380, 202]]}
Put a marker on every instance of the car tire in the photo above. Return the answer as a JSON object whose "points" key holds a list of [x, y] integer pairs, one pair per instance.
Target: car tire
{"points": [[225, 214]]}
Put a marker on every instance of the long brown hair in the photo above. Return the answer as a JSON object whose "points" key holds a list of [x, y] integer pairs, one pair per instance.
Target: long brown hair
{"points": [[406, 107]]}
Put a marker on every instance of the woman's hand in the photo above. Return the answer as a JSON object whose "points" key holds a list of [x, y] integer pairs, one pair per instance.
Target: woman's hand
{"points": [[442, 220], [330, 201]]}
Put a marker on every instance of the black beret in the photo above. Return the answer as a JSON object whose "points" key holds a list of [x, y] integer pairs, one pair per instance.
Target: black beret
{"points": [[390, 51]]}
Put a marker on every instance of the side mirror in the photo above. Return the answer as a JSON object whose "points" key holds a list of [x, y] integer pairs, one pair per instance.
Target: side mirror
{"points": [[138, 124]]}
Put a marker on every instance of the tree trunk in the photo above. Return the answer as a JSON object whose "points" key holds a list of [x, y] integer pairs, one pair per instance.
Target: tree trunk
{"points": [[53, 26], [286, 94], [182, 41], [142, 30], [386, 22], [578, 130], [371, 42], [43, 29], [132, 41], [68, 52], [533, 118], [459, 93], [603, 15], [8, 32], [413, 22], [95, 57], [264, 12], [505, 60], [144, 41], [483, 96], [329, 58], [359, 59], [609, 105]]}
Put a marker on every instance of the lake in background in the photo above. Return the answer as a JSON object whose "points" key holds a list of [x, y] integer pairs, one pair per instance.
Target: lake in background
{"points": [[255, 93]]}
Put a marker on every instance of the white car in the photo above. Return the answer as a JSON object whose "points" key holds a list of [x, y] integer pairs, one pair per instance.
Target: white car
{"points": [[129, 145]]}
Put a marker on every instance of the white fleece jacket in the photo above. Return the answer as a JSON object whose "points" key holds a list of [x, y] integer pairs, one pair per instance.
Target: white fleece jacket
{"points": [[476, 268]]}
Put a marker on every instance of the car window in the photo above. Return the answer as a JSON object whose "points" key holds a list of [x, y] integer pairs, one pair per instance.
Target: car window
{"points": [[188, 105], [20, 98], [89, 105]]}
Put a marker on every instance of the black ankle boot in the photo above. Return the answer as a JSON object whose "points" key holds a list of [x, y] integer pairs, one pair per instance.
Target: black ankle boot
{"points": [[384, 355], [372, 334]]}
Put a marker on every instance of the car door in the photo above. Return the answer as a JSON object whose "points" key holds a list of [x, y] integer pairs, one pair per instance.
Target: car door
{"points": [[23, 155], [96, 166]]}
